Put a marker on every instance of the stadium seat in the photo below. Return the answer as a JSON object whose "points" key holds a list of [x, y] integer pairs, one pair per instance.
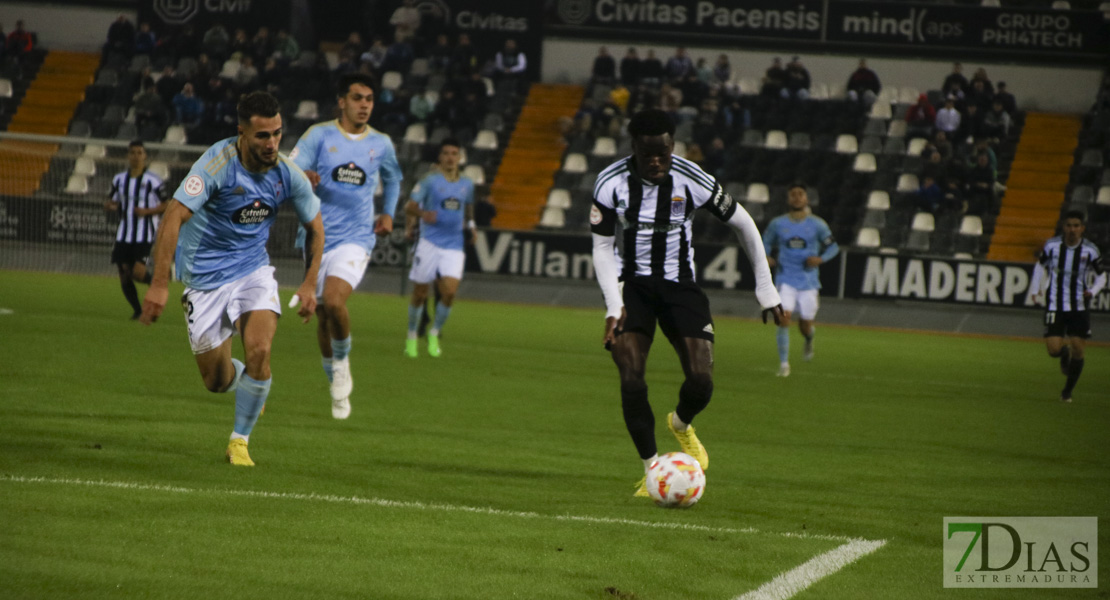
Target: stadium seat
{"points": [[836, 91], [971, 225], [758, 193], [5, 88], [880, 109], [991, 3], [307, 110], [1061, 5], [77, 184], [776, 140], [752, 138], [868, 237], [1092, 157], [1103, 195], [865, 163], [175, 134], [908, 95], [604, 146], [923, 221], [476, 174], [485, 140], [874, 218], [749, 86], [575, 163], [875, 127], [894, 146], [419, 68], [416, 133], [896, 129], [916, 146], [94, 151], [492, 121], [553, 218], [392, 80], [819, 91], [161, 169], [558, 198], [85, 166], [230, 69], [799, 140], [907, 183], [680, 148], [871, 144], [878, 200], [1082, 194], [846, 143]]}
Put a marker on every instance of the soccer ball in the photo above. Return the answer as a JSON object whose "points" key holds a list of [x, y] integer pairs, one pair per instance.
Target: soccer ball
{"points": [[675, 480]]}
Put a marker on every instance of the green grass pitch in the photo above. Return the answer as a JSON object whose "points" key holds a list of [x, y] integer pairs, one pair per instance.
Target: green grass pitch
{"points": [[503, 470]]}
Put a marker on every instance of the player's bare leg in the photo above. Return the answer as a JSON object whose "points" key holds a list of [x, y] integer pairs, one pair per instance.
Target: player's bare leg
{"points": [[416, 312], [1058, 348], [696, 357], [782, 339], [447, 287], [630, 352], [338, 322]]}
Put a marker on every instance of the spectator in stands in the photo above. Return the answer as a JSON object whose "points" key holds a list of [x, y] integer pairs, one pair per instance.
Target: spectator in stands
{"points": [[241, 44], [651, 69], [704, 71], [670, 100], [941, 145], [619, 97], [948, 118], [226, 109], [185, 42], [955, 91], [955, 79], [678, 66], [971, 127], [405, 21], [715, 157], [605, 67], [693, 90], [354, 44], [246, 79], [1009, 102], [145, 40], [217, 43], [978, 96], [375, 55], [271, 77], [996, 123], [188, 108], [930, 197], [205, 69], [936, 166], [920, 118], [420, 108], [774, 79], [150, 108], [510, 63], [465, 57], [630, 69], [980, 186], [20, 41], [262, 45], [439, 55], [863, 84], [981, 75], [169, 84], [797, 80], [121, 36], [286, 48], [983, 146], [446, 111], [399, 57], [722, 70]]}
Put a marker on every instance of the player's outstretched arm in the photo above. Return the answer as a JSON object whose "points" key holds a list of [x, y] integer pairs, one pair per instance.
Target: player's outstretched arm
{"points": [[605, 269], [765, 292], [165, 245], [314, 249]]}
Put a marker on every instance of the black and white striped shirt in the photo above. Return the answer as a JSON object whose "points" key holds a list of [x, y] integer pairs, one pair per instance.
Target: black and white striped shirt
{"points": [[144, 191], [657, 219], [1068, 272]]}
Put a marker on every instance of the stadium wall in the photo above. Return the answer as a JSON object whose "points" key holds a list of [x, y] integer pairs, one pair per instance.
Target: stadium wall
{"points": [[1038, 88]]}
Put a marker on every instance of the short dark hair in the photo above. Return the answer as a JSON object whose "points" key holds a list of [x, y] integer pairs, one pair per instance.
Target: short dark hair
{"points": [[796, 184], [450, 141], [257, 104], [134, 143], [1075, 214], [348, 79], [651, 121]]}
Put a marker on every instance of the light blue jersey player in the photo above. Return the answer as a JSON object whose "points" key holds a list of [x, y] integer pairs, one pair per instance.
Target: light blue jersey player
{"points": [[443, 204], [797, 243], [217, 224], [344, 159]]}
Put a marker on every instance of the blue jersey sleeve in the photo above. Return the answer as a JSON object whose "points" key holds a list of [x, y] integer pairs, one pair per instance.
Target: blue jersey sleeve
{"points": [[421, 192], [828, 245], [391, 181], [304, 200], [304, 154], [771, 237], [200, 184]]}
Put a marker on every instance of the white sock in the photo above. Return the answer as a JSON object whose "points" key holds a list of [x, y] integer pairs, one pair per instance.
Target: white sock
{"points": [[677, 422], [433, 331], [239, 436], [648, 461], [412, 335]]}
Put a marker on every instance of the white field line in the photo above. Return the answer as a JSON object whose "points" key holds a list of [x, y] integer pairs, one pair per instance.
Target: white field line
{"points": [[781, 587], [786, 585], [6, 311]]}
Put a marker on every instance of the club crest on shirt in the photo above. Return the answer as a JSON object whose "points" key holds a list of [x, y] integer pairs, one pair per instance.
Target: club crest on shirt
{"points": [[678, 206], [595, 215], [333, 149], [194, 185], [452, 204], [252, 214], [796, 243], [349, 173]]}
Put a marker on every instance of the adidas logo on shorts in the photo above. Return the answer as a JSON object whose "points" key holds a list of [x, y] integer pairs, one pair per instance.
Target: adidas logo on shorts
{"points": [[708, 328]]}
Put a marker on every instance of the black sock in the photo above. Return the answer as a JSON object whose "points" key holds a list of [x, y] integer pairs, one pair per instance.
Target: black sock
{"points": [[1075, 367], [693, 397], [132, 295], [148, 278], [639, 420]]}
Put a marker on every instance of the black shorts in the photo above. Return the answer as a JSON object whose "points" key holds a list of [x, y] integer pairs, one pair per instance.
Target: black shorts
{"points": [[681, 309], [125, 253], [1072, 323]]}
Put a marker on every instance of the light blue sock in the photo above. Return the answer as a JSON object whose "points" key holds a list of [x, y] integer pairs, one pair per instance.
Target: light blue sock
{"points": [[326, 362], [782, 336], [340, 348], [239, 368], [415, 314], [442, 312], [249, 399]]}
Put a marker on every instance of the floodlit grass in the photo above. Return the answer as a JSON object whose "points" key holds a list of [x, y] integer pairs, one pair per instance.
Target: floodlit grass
{"points": [[112, 480]]}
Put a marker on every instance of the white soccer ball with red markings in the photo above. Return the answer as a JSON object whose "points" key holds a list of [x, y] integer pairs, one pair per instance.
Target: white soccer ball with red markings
{"points": [[675, 480]]}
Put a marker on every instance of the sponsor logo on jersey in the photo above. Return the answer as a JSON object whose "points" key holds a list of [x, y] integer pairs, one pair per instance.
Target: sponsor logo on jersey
{"points": [[252, 214], [452, 204], [194, 185], [678, 206], [349, 173], [595, 215], [796, 243]]}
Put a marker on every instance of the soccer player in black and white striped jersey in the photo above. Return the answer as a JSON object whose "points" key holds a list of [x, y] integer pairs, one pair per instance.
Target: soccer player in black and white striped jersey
{"points": [[653, 195], [137, 197], [1068, 273]]}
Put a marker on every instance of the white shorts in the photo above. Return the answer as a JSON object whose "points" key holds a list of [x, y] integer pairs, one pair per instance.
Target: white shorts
{"points": [[347, 262], [804, 303], [431, 261], [210, 315]]}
